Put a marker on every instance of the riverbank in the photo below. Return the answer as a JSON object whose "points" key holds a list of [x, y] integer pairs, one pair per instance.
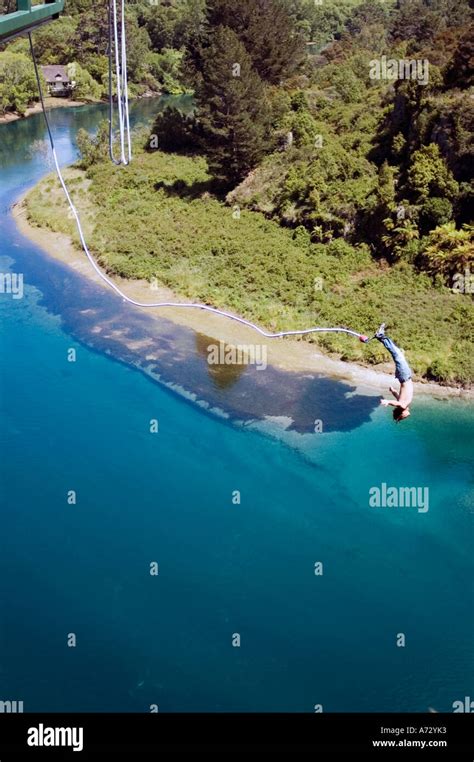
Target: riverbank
{"points": [[158, 220], [49, 102], [285, 354], [53, 103]]}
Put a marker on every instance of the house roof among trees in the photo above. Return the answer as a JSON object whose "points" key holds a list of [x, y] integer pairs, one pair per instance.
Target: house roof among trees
{"points": [[53, 73]]}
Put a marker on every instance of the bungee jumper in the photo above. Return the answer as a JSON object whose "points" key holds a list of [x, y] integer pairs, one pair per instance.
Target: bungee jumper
{"points": [[403, 374]]}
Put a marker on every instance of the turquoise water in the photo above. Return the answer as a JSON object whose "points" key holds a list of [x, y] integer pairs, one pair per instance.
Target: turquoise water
{"points": [[223, 568]]}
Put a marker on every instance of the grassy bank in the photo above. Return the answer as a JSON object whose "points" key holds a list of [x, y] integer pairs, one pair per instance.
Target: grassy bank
{"points": [[156, 219], [49, 103]]}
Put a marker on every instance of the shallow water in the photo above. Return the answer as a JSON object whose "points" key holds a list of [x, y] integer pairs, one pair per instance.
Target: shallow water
{"points": [[224, 568]]}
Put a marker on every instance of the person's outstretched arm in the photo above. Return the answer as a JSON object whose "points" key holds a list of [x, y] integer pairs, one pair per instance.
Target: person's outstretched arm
{"points": [[395, 393]]}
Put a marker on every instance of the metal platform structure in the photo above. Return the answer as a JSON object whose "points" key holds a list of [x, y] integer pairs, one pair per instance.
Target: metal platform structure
{"points": [[27, 17]]}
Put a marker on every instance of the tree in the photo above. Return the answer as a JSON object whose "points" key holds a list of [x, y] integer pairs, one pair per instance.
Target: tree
{"points": [[367, 14], [391, 224], [92, 33], [85, 87], [98, 67], [429, 176], [166, 67], [299, 121], [266, 29], [435, 212], [232, 110], [138, 45], [449, 252], [18, 85], [348, 85], [173, 24], [386, 187], [173, 130], [93, 149], [54, 43], [460, 70], [319, 23], [415, 20]]}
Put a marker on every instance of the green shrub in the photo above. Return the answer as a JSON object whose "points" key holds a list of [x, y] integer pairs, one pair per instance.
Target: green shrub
{"points": [[93, 149], [439, 370]]}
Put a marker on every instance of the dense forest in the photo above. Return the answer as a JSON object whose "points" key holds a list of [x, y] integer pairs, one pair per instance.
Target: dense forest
{"points": [[345, 125]]}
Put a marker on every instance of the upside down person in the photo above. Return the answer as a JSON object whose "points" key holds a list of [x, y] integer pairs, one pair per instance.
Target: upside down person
{"points": [[403, 374]]}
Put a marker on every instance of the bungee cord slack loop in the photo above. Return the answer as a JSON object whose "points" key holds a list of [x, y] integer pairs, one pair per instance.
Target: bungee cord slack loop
{"points": [[125, 135]]}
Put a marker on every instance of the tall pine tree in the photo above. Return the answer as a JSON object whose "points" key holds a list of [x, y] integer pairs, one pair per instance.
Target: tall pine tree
{"points": [[267, 31], [232, 109]]}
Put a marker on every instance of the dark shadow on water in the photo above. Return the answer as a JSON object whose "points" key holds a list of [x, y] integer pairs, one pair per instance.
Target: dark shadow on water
{"points": [[334, 404]]}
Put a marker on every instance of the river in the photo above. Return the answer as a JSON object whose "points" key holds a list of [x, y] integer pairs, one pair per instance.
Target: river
{"points": [[255, 531]]}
